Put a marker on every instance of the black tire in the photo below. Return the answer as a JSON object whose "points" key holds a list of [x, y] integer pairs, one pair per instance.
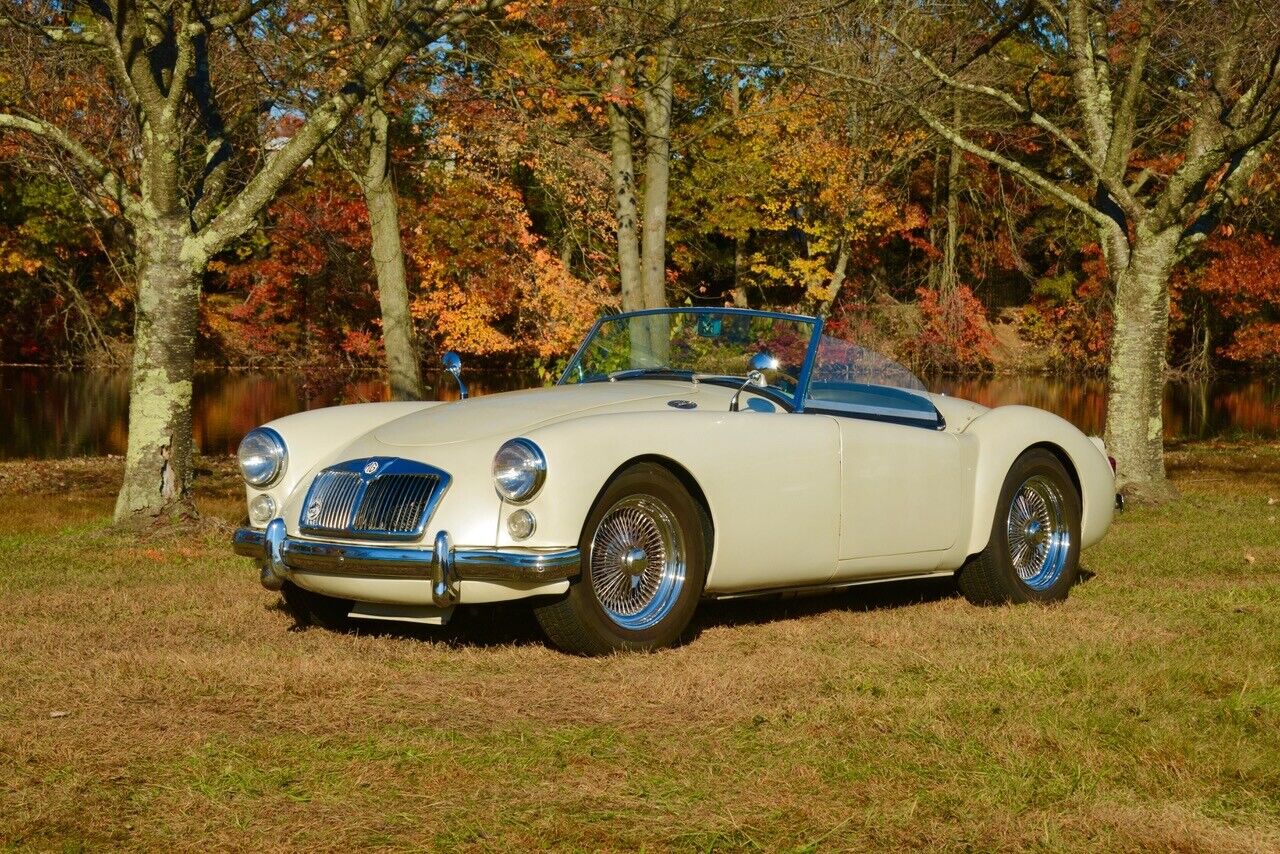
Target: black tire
{"points": [[992, 577], [580, 622], [314, 609]]}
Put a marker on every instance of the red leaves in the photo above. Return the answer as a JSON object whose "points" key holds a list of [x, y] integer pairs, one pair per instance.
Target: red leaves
{"points": [[1242, 281], [1071, 318], [954, 333]]}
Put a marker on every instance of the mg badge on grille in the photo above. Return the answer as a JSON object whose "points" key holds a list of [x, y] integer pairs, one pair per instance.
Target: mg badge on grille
{"points": [[313, 512], [370, 467]]}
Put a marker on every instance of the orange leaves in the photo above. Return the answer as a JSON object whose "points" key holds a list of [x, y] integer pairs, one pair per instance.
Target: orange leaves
{"points": [[1243, 275], [13, 261], [489, 286], [1257, 342]]}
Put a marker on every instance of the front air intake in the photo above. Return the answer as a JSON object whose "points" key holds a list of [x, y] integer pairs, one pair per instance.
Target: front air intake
{"points": [[378, 498]]}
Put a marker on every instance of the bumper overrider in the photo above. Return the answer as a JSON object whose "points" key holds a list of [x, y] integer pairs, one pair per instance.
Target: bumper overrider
{"points": [[446, 567]]}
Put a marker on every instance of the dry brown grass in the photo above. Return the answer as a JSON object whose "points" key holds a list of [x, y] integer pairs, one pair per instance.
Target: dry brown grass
{"points": [[1142, 714]]}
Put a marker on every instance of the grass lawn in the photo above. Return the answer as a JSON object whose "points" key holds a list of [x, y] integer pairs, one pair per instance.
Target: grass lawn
{"points": [[153, 695]]}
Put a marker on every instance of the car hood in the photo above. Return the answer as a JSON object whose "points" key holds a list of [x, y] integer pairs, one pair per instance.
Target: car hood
{"points": [[510, 413]]}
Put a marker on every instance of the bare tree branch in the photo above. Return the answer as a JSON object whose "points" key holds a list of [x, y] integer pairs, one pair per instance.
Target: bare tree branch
{"points": [[107, 180], [419, 25], [1023, 110], [67, 35]]}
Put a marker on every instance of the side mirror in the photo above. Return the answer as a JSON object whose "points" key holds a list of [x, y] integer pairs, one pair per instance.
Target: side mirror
{"points": [[758, 364], [453, 365], [761, 362]]}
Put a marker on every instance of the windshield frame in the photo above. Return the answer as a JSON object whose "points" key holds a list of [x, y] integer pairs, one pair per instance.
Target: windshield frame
{"points": [[810, 353]]}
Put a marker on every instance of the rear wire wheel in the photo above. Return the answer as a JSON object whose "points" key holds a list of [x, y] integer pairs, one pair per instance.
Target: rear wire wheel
{"points": [[1033, 553], [644, 548]]}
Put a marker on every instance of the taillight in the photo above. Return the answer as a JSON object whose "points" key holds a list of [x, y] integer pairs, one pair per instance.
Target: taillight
{"points": [[1112, 460]]}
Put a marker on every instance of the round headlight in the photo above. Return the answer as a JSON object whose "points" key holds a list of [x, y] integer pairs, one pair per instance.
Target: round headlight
{"points": [[262, 457], [519, 468]]}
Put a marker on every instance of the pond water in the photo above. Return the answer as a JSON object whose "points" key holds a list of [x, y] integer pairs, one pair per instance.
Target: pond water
{"points": [[46, 413]]}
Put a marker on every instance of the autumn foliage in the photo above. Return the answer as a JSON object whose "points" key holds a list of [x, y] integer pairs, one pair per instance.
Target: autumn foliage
{"points": [[782, 196], [954, 331], [1241, 280]]}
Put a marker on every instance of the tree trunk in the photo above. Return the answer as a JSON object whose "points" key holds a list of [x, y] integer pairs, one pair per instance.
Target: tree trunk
{"points": [[950, 274], [739, 253], [157, 478], [1136, 373], [657, 175], [739, 286], [935, 265], [837, 279], [404, 373], [623, 172]]}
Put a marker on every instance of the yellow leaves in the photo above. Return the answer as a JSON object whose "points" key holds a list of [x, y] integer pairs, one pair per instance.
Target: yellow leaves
{"points": [[812, 274], [12, 261]]}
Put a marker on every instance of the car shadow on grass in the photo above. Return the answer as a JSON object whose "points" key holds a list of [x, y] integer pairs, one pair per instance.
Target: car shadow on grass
{"points": [[481, 626], [514, 624], [776, 607]]}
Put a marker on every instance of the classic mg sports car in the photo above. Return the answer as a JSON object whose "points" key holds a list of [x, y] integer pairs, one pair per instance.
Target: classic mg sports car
{"points": [[685, 454]]}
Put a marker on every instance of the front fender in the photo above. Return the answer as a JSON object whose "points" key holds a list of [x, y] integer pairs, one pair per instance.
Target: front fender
{"points": [[1004, 433], [313, 435], [771, 482]]}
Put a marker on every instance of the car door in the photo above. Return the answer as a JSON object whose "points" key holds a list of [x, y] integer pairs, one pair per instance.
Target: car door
{"points": [[901, 481]]}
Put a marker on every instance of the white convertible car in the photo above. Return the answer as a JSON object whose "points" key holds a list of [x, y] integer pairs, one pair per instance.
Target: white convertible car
{"points": [[684, 454]]}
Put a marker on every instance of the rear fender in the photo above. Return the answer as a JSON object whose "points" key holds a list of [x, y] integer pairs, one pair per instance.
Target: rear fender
{"points": [[1006, 432]]}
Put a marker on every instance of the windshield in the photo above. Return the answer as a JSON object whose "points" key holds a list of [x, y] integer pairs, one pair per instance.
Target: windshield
{"points": [[712, 344], [848, 379], [844, 361]]}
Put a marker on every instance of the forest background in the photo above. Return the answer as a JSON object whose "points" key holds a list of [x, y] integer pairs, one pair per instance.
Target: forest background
{"points": [[969, 186]]}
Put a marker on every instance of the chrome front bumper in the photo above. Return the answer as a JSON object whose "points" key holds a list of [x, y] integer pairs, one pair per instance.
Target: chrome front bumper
{"points": [[445, 566]]}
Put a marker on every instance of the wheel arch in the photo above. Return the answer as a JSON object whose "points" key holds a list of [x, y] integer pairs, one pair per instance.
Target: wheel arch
{"points": [[1067, 463], [687, 480]]}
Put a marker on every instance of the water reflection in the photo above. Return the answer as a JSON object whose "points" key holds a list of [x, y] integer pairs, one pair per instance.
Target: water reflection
{"points": [[1235, 407], [46, 413]]}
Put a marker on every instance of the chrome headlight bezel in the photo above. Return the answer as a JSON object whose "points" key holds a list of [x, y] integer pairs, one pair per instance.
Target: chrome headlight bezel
{"points": [[267, 457], [519, 470]]}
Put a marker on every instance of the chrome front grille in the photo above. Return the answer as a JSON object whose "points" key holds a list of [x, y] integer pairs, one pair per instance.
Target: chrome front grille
{"points": [[331, 503], [375, 498], [395, 502]]}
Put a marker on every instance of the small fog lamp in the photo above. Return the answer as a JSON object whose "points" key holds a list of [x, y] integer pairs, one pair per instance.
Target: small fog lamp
{"points": [[521, 524], [262, 509]]}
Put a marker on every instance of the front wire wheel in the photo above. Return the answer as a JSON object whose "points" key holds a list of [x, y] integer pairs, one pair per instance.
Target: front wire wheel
{"points": [[637, 562], [1033, 552], [644, 548]]}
